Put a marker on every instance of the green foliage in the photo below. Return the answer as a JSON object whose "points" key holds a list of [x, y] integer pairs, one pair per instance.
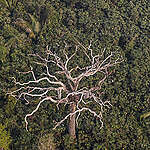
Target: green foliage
{"points": [[46, 142], [10, 4], [3, 53], [144, 116], [10, 105], [35, 24], [5, 138]]}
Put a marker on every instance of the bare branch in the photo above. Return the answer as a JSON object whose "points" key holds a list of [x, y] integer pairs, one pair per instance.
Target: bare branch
{"points": [[64, 93], [79, 111]]}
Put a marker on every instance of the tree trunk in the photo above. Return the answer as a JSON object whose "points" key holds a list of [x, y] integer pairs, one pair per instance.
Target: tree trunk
{"points": [[72, 123]]}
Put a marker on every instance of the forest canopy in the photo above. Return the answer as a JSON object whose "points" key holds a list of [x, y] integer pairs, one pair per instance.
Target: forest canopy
{"points": [[30, 26]]}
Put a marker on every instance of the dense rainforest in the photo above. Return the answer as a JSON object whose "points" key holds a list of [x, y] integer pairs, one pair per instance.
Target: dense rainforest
{"points": [[29, 26]]}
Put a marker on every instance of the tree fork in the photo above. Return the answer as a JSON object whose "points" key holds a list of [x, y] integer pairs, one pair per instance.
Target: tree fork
{"points": [[78, 98]]}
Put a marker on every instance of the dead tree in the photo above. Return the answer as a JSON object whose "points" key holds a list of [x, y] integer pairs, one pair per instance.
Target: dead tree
{"points": [[77, 97]]}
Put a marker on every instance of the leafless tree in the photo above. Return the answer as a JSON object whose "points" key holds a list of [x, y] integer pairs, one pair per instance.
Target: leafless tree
{"points": [[69, 93]]}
